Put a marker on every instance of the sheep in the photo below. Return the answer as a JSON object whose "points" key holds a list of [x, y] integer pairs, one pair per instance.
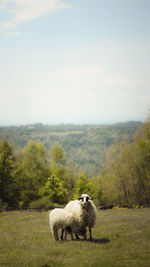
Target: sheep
{"points": [[84, 211], [62, 219]]}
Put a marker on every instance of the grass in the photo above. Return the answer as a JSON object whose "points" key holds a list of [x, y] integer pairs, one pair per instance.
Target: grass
{"points": [[121, 238]]}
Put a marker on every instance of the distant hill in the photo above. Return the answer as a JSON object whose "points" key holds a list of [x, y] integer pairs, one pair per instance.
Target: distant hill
{"points": [[86, 145]]}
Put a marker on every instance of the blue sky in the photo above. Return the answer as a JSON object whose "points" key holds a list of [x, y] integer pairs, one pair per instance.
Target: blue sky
{"points": [[77, 61]]}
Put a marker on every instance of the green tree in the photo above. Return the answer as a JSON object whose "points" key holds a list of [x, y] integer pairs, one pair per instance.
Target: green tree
{"points": [[33, 171], [126, 177], [55, 189], [57, 155], [142, 146], [56, 186], [70, 180], [57, 161], [82, 184], [7, 180], [94, 190]]}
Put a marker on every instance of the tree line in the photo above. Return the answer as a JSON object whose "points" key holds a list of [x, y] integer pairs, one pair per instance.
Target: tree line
{"points": [[85, 145], [39, 178]]}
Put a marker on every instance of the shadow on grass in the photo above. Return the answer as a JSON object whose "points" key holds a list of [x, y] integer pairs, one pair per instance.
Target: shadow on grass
{"points": [[99, 241]]}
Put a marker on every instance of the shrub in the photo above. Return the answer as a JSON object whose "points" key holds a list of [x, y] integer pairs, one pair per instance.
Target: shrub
{"points": [[42, 203]]}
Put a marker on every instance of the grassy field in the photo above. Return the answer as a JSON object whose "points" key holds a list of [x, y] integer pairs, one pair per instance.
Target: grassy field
{"points": [[121, 238]]}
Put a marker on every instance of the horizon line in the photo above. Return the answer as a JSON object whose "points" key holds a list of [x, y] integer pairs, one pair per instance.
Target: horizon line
{"points": [[68, 123]]}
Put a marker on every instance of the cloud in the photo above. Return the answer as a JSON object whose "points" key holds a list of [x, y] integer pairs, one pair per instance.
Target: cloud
{"points": [[20, 11], [11, 34]]}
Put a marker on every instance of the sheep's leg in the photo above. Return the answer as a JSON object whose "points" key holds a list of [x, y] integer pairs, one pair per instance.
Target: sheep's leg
{"points": [[65, 234], [84, 236], [90, 231], [71, 235], [61, 237], [56, 236], [77, 237]]}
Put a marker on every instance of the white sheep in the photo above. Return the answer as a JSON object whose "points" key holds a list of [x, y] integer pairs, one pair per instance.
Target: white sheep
{"points": [[62, 219], [84, 212]]}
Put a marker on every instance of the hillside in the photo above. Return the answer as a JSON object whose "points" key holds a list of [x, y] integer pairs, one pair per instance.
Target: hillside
{"points": [[86, 145]]}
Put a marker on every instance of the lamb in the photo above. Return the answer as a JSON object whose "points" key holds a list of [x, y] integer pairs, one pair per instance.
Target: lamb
{"points": [[62, 219], [84, 211]]}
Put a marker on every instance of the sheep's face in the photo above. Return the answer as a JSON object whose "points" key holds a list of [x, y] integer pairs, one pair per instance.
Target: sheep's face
{"points": [[84, 199]]}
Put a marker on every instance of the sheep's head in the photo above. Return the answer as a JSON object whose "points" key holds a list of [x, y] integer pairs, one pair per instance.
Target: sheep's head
{"points": [[84, 199]]}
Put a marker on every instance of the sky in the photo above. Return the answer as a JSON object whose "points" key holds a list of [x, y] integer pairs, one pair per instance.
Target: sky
{"points": [[74, 61]]}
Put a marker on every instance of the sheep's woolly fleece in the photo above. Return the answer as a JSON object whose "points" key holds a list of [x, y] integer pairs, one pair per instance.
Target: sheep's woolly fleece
{"points": [[61, 219], [84, 213]]}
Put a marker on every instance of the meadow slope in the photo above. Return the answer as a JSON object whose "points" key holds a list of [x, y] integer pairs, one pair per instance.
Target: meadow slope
{"points": [[121, 238]]}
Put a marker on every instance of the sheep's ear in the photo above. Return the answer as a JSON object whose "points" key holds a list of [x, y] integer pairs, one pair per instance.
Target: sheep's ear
{"points": [[79, 198]]}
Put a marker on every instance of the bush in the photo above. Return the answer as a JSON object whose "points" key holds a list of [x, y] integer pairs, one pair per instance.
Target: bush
{"points": [[42, 203], [1, 204]]}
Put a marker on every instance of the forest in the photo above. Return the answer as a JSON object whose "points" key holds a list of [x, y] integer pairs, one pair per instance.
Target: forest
{"points": [[85, 145], [43, 166]]}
